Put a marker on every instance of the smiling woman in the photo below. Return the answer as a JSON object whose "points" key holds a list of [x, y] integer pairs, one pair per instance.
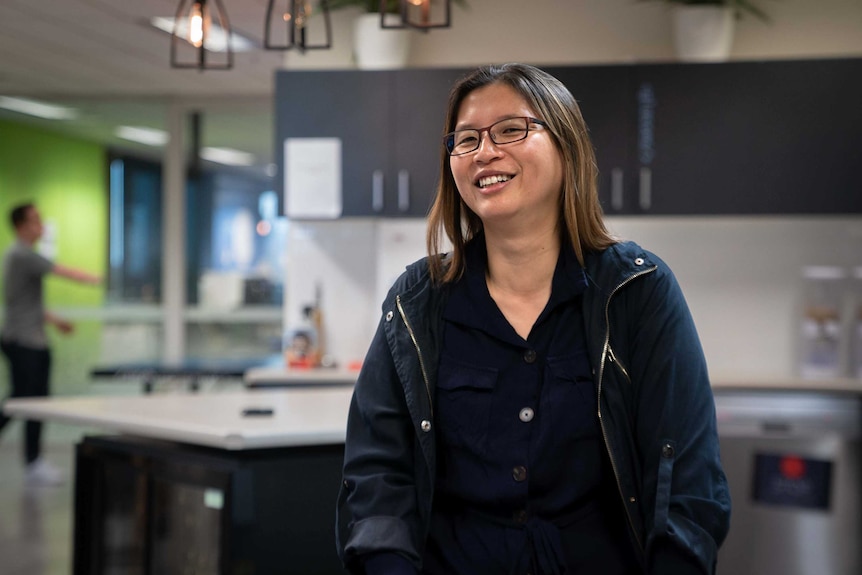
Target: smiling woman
{"points": [[474, 443]]}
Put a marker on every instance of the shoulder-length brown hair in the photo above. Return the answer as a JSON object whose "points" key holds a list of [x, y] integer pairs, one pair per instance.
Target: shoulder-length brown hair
{"points": [[581, 214]]}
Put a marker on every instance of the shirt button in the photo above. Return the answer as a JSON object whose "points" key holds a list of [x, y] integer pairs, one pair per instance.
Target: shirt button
{"points": [[520, 516], [526, 415], [519, 473], [529, 356]]}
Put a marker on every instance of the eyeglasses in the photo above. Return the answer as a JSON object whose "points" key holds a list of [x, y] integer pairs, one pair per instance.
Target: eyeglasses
{"points": [[503, 132]]}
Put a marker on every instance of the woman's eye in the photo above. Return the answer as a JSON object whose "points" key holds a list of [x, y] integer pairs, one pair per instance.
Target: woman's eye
{"points": [[465, 140]]}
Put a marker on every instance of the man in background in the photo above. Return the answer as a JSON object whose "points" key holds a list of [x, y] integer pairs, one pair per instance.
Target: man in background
{"points": [[23, 338]]}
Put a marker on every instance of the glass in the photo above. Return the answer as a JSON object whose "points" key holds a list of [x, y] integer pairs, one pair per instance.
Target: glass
{"points": [[503, 132]]}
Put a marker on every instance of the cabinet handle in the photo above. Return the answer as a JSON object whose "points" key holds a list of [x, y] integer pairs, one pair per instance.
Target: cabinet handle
{"points": [[617, 189], [645, 190], [403, 190], [377, 190]]}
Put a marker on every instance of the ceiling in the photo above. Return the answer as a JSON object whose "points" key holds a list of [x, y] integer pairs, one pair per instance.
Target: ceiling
{"points": [[103, 58]]}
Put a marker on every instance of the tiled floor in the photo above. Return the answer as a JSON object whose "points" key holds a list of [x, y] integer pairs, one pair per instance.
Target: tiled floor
{"points": [[36, 523]]}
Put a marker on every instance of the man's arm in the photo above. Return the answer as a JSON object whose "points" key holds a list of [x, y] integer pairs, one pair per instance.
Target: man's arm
{"points": [[76, 275], [62, 325]]}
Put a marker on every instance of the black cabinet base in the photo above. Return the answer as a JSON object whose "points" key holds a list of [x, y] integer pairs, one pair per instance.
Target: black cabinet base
{"points": [[147, 507]]}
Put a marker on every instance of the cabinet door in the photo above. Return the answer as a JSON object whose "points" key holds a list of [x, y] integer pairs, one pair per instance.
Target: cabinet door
{"points": [[750, 137], [603, 94], [420, 103], [350, 105]]}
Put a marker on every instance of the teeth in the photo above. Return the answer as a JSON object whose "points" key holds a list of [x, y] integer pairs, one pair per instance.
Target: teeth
{"points": [[488, 180]]}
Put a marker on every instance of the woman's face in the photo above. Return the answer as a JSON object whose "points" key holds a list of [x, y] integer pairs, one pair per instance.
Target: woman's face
{"points": [[515, 183]]}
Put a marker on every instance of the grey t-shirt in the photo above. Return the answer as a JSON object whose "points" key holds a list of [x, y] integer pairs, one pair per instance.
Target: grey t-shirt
{"points": [[23, 271]]}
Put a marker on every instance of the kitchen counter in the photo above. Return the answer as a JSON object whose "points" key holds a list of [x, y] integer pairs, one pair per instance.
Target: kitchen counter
{"points": [[279, 376], [723, 382], [298, 416], [276, 376]]}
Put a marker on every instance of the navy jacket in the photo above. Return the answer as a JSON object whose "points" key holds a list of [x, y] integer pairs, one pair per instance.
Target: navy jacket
{"points": [[655, 406]]}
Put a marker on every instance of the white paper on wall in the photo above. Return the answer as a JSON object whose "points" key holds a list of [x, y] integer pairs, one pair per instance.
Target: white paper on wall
{"points": [[312, 177]]}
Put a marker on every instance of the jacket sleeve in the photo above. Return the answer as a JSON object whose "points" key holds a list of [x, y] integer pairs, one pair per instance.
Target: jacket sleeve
{"points": [[684, 489], [377, 509]]}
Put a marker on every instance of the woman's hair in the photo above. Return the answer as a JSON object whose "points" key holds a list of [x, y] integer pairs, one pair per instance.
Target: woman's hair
{"points": [[581, 216]]}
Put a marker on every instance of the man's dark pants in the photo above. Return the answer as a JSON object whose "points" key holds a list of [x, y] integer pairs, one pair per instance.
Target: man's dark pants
{"points": [[29, 371]]}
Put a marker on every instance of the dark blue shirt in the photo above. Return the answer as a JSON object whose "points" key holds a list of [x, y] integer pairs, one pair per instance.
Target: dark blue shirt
{"points": [[523, 482]]}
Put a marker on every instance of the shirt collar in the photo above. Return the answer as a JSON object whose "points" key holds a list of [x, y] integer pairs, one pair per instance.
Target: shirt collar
{"points": [[471, 304]]}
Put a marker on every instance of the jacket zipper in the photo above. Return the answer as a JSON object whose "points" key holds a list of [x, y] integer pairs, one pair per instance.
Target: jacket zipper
{"points": [[418, 352], [607, 352], [613, 359]]}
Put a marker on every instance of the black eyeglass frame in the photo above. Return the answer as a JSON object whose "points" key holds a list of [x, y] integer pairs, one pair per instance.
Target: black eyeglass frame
{"points": [[449, 139]]}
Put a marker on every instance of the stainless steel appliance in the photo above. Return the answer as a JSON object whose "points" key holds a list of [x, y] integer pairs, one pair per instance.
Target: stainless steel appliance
{"points": [[793, 463]]}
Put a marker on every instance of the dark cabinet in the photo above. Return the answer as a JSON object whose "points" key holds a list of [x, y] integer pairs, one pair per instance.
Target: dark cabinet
{"points": [[389, 124], [153, 507], [352, 106], [603, 94], [764, 137], [779, 137]]}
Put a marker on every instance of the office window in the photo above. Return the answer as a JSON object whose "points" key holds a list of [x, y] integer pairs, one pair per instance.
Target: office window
{"points": [[234, 237]]}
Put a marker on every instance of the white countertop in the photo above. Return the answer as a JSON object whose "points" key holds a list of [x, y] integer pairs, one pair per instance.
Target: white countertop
{"points": [[275, 375], [728, 382], [299, 416]]}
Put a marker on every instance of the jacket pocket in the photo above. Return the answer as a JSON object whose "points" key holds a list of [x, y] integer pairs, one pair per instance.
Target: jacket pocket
{"points": [[464, 397], [667, 456]]}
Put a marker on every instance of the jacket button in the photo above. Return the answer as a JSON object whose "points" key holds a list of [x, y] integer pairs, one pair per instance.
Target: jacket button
{"points": [[425, 425], [389, 316], [667, 450], [639, 261], [520, 516], [519, 473], [526, 415], [530, 356]]}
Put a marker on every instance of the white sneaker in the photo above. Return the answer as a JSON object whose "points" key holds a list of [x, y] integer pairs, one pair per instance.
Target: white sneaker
{"points": [[40, 472]]}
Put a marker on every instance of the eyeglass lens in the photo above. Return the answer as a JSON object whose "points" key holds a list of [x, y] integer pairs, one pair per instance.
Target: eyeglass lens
{"points": [[502, 132]]}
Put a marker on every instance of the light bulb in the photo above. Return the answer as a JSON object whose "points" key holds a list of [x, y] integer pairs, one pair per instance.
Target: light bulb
{"points": [[199, 23]]}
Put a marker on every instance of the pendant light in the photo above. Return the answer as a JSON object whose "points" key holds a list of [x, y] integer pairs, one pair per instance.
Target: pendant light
{"points": [[286, 25], [202, 36], [419, 14]]}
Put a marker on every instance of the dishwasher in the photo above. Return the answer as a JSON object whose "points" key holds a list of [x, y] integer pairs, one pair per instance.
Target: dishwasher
{"points": [[792, 461]]}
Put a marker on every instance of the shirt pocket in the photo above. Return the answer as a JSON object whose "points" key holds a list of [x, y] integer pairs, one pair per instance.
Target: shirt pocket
{"points": [[570, 395], [464, 398]]}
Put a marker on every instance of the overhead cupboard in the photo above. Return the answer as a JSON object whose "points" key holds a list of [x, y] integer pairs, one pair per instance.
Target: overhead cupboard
{"points": [[746, 137], [389, 128]]}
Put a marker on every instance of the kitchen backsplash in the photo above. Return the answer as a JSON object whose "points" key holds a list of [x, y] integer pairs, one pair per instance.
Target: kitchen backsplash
{"points": [[740, 275]]}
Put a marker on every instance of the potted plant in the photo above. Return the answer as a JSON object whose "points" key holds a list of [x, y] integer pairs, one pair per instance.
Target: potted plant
{"points": [[375, 48], [703, 29]]}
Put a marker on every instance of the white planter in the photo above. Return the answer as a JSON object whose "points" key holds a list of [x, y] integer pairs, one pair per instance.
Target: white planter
{"points": [[376, 48], [702, 33]]}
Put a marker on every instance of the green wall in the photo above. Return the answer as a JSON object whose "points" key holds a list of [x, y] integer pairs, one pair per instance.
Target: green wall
{"points": [[67, 179]]}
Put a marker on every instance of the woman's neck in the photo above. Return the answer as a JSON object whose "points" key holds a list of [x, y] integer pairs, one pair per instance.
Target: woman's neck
{"points": [[522, 263]]}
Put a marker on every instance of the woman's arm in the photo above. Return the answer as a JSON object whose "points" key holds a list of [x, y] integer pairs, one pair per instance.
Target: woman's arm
{"points": [[676, 432], [377, 505]]}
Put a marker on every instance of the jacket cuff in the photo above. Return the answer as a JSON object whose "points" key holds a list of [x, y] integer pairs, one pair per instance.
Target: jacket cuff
{"points": [[388, 564], [668, 559]]}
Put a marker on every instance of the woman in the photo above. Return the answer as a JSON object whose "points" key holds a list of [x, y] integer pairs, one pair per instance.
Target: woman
{"points": [[537, 400]]}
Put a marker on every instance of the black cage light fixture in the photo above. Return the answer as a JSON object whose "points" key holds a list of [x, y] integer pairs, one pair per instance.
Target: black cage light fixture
{"points": [[287, 25], [201, 36], [419, 14]]}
